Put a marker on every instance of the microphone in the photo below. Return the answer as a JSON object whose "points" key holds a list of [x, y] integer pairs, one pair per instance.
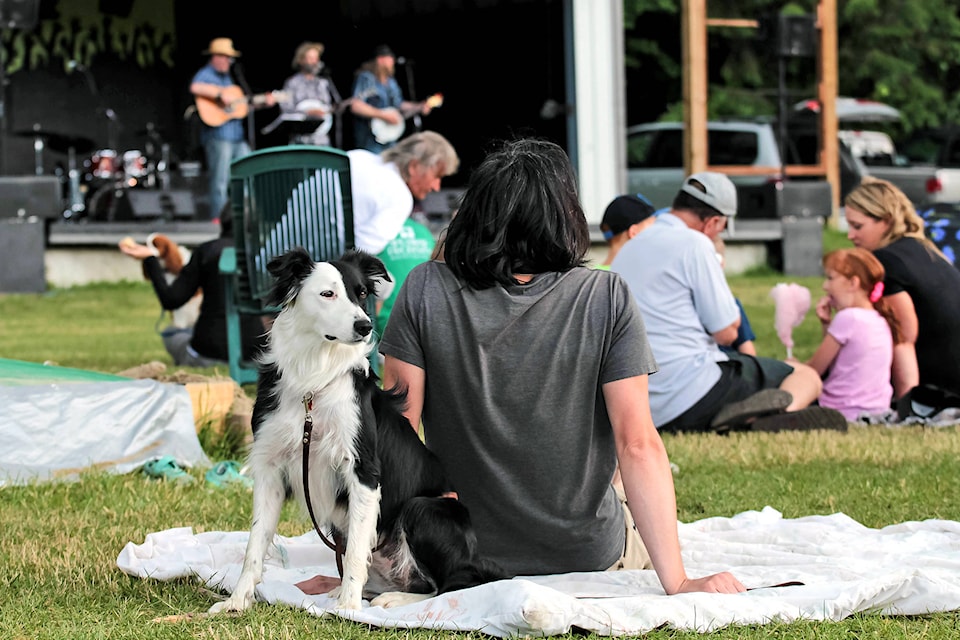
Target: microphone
{"points": [[402, 60], [75, 64]]}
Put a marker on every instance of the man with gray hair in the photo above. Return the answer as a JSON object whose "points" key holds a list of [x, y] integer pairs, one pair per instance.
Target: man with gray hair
{"points": [[689, 311]]}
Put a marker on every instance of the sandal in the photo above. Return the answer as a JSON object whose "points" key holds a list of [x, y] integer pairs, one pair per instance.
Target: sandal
{"points": [[166, 468], [227, 472]]}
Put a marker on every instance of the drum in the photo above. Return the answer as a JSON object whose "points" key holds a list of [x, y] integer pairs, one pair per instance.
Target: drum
{"points": [[103, 164], [134, 164]]}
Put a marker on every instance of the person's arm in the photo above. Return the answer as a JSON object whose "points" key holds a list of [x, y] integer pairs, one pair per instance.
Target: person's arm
{"points": [[206, 90], [361, 108], [648, 484], [727, 335], [906, 372], [747, 348], [826, 353], [397, 373]]}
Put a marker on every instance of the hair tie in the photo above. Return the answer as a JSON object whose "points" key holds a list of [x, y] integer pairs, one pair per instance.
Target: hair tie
{"points": [[877, 292]]}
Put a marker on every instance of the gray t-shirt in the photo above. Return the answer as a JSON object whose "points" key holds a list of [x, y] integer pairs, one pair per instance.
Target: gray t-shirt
{"points": [[514, 409]]}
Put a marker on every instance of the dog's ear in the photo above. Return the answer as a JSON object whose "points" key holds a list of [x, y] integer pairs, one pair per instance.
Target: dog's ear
{"points": [[370, 266], [289, 271]]}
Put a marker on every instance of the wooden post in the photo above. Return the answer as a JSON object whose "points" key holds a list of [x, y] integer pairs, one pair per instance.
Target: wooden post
{"points": [[827, 94], [695, 85]]}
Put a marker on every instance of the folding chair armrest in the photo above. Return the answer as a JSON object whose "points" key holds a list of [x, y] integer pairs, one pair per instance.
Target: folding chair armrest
{"points": [[228, 261]]}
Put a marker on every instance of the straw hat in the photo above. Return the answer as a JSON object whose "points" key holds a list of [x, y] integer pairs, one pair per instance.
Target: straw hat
{"points": [[223, 47]]}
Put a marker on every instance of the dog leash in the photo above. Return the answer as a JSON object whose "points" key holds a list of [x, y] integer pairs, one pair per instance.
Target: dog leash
{"points": [[337, 546]]}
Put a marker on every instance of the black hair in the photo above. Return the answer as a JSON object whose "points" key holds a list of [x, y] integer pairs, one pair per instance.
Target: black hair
{"points": [[686, 202], [520, 214]]}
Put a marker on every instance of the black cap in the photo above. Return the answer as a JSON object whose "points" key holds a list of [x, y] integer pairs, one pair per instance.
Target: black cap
{"points": [[624, 212], [383, 50]]}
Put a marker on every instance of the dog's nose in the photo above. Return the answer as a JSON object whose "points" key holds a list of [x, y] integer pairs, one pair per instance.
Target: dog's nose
{"points": [[363, 327]]}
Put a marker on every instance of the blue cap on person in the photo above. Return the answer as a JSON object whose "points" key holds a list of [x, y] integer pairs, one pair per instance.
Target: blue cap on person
{"points": [[624, 212], [714, 190]]}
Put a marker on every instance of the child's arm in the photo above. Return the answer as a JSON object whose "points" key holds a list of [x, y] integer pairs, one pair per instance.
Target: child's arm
{"points": [[824, 313], [825, 354]]}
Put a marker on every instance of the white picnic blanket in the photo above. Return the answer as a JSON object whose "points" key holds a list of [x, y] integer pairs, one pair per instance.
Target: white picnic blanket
{"points": [[905, 569]]}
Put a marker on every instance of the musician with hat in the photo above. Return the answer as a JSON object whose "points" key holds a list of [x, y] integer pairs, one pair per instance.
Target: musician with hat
{"points": [[377, 96], [222, 106], [311, 94]]}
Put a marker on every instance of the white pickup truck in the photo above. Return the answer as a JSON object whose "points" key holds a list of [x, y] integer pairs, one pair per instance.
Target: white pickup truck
{"points": [[655, 157], [655, 162]]}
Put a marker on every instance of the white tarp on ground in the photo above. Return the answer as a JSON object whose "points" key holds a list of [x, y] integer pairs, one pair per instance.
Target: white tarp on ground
{"points": [[906, 569], [55, 430]]}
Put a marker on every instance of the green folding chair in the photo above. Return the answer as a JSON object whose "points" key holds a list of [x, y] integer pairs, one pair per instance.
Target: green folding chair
{"points": [[281, 198]]}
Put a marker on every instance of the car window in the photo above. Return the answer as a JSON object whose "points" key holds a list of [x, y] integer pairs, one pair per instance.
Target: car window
{"points": [[732, 147]]}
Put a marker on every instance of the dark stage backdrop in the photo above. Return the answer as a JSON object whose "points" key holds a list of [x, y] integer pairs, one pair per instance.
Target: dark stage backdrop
{"points": [[495, 62]]}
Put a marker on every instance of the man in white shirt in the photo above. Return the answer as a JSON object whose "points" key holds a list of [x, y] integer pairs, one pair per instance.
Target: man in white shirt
{"points": [[385, 186]]}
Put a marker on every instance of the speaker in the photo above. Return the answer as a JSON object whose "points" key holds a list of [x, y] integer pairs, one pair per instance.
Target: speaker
{"points": [[168, 203], [796, 36], [802, 246], [21, 256], [802, 198], [19, 14], [25, 196]]}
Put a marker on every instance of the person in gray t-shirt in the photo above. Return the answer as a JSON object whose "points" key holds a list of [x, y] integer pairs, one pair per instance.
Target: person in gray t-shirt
{"points": [[529, 372]]}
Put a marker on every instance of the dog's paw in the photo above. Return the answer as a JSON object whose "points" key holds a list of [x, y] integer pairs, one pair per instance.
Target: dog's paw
{"points": [[235, 603], [398, 599], [347, 598]]}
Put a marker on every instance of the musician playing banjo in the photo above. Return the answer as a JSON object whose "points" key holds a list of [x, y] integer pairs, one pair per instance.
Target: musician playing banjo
{"points": [[222, 106], [378, 101], [310, 92]]}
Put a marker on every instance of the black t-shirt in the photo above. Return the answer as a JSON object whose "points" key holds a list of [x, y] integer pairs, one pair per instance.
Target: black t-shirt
{"points": [[202, 273], [934, 286]]}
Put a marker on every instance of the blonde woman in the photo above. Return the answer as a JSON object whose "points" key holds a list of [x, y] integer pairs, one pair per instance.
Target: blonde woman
{"points": [[921, 287]]}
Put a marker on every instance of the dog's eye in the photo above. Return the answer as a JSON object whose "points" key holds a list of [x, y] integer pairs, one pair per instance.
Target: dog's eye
{"points": [[362, 293], [327, 294]]}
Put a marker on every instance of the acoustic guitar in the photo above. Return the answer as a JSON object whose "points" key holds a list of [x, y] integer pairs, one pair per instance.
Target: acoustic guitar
{"points": [[385, 133], [233, 105]]}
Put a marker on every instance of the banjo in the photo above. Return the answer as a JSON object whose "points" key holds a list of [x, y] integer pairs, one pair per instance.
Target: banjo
{"points": [[385, 133], [313, 105]]}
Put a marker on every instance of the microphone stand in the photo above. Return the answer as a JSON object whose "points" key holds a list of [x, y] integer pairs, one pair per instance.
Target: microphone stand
{"points": [[337, 109], [408, 70], [237, 69]]}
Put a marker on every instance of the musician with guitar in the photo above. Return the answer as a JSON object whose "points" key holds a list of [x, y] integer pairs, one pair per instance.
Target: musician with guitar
{"points": [[310, 93], [222, 105], [378, 106]]}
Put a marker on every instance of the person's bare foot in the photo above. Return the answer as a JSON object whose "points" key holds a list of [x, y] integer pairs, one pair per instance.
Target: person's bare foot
{"points": [[318, 585]]}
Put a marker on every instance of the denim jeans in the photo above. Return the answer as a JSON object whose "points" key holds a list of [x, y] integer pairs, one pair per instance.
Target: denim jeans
{"points": [[220, 153]]}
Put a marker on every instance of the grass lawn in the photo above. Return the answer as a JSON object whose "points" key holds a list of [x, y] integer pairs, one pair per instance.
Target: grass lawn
{"points": [[60, 541]]}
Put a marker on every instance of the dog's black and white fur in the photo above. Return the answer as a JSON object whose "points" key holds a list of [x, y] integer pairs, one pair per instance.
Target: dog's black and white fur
{"points": [[371, 479]]}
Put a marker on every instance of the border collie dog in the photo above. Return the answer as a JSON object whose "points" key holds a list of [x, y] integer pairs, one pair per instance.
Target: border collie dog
{"points": [[371, 482]]}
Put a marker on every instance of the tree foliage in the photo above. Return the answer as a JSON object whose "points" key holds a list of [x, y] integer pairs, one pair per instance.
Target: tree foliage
{"points": [[902, 52]]}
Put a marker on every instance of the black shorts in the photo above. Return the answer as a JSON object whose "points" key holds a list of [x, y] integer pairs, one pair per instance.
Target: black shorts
{"points": [[741, 376]]}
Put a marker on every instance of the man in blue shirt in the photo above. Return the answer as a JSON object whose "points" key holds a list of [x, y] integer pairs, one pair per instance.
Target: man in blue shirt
{"points": [[221, 105], [377, 97]]}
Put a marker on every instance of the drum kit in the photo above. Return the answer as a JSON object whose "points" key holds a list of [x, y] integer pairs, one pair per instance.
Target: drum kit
{"points": [[95, 187]]}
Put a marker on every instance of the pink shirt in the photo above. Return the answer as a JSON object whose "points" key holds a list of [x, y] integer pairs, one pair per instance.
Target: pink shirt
{"points": [[859, 380]]}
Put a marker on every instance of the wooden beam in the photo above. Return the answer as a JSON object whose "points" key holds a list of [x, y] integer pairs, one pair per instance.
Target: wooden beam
{"points": [[733, 22]]}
